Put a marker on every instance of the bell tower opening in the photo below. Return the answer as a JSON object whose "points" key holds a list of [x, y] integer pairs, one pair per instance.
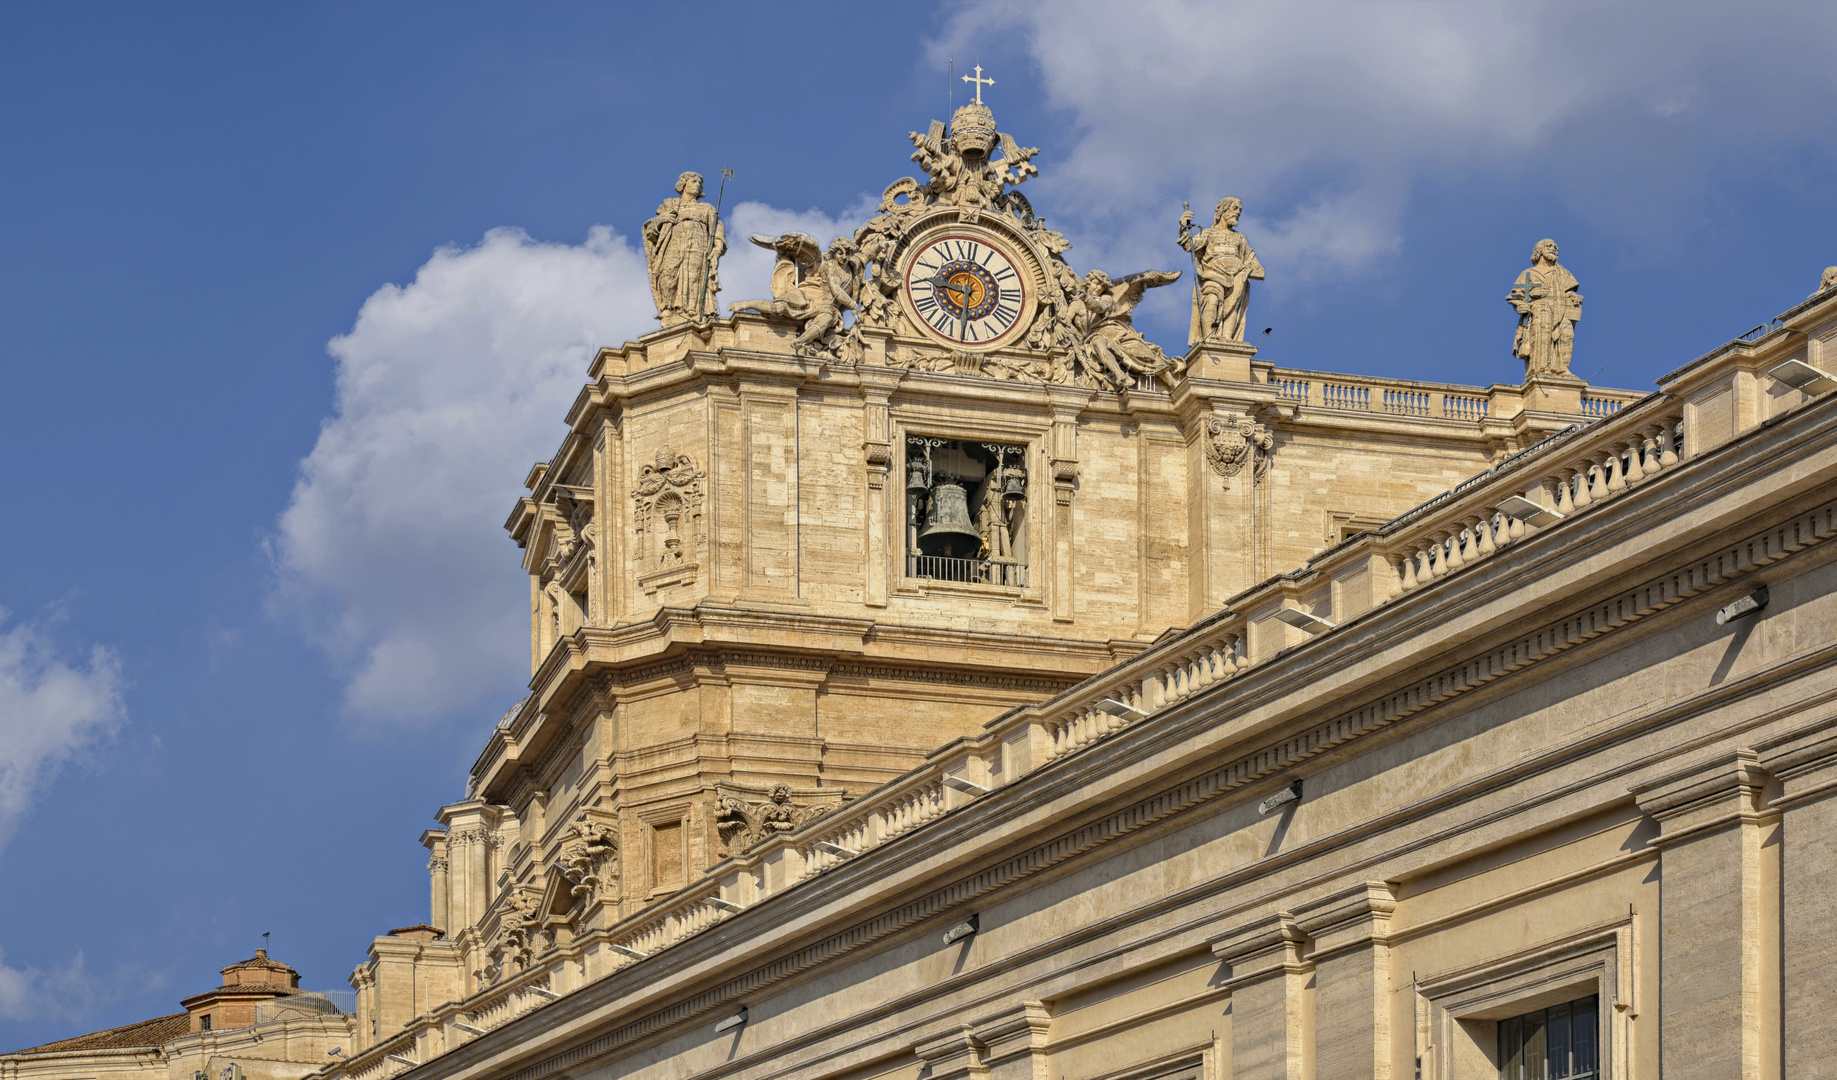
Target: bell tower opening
{"points": [[966, 511]]}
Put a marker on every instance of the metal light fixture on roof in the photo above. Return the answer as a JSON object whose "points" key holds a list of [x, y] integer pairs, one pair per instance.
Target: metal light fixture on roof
{"points": [[968, 787], [468, 1028], [543, 990], [410, 1062], [723, 903], [1802, 376], [1742, 608], [828, 848], [1529, 512], [1304, 620], [626, 950], [1119, 709]]}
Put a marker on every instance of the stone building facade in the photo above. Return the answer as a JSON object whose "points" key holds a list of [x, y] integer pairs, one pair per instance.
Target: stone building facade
{"points": [[1533, 778]]}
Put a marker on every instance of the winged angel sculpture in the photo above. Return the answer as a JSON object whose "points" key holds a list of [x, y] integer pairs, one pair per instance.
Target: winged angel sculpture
{"points": [[812, 288]]}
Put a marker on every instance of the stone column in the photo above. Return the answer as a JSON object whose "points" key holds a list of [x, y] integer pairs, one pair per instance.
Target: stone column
{"points": [[1271, 1019], [468, 888], [1806, 766], [434, 840], [1062, 464], [1352, 985], [1718, 920]]}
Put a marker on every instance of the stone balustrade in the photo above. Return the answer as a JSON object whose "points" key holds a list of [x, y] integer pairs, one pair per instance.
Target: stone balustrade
{"points": [[1353, 393]]}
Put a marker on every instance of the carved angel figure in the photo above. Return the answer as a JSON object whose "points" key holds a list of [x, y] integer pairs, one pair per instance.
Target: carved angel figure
{"points": [[683, 245], [1105, 345], [1828, 281], [809, 287]]}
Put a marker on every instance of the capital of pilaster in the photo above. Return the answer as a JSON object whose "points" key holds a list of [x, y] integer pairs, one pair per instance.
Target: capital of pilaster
{"points": [[1268, 947], [952, 1054], [1703, 797], [1348, 919], [1804, 762]]}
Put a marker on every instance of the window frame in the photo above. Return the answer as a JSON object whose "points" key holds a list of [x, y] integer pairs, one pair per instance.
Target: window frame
{"points": [[1458, 1011]]}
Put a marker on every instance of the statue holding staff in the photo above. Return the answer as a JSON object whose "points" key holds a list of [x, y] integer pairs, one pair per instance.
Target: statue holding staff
{"points": [[683, 245], [1224, 266], [1548, 307]]}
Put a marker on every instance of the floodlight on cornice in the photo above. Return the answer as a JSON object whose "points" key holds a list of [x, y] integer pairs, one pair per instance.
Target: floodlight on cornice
{"points": [[1303, 620], [962, 930], [1742, 608], [543, 990], [468, 1028], [830, 848], [1119, 709], [968, 787], [1802, 376], [1289, 794], [1529, 512], [736, 1020], [626, 950], [410, 1062], [723, 903]]}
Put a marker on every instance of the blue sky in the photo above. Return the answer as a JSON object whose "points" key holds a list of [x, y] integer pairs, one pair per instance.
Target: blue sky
{"points": [[294, 294]]}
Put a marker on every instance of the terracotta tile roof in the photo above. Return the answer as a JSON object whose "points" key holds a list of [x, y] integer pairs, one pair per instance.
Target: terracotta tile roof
{"points": [[243, 990], [155, 1032]]}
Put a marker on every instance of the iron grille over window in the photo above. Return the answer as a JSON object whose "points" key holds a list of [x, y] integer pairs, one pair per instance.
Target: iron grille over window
{"points": [[966, 511], [1557, 1043]]}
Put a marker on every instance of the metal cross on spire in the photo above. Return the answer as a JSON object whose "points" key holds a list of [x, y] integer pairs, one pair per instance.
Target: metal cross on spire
{"points": [[980, 83]]}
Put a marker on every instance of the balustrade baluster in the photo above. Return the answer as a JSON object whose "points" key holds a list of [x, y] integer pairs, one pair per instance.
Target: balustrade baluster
{"points": [[1487, 545], [1616, 469], [1597, 477], [1669, 436]]}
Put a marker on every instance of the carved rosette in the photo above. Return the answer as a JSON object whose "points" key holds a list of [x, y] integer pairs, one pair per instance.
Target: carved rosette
{"points": [[1235, 441], [743, 819]]}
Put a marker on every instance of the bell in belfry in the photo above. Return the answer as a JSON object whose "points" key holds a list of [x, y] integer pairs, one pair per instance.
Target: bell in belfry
{"points": [[949, 532]]}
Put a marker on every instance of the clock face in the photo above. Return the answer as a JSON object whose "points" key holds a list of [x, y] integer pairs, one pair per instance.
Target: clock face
{"points": [[968, 291]]}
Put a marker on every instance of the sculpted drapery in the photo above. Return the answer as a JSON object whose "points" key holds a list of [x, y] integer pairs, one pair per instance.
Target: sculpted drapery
{"points": [[1548, 307], [1224, 265], [683, 245]]}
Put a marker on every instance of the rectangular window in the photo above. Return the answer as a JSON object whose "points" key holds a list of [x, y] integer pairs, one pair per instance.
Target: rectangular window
{"points": [[204, 1022], [667, 855], [966, 511], [1557, 1043]]}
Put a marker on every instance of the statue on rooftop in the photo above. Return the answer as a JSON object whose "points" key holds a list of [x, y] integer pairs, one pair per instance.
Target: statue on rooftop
{"points": [[683, 245], [1548, 307], [1827, 282], [812, 288], [1224, 266], [1097, 330]]}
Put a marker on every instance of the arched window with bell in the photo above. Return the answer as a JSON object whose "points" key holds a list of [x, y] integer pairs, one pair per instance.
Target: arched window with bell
{"points": [[966, 511]]}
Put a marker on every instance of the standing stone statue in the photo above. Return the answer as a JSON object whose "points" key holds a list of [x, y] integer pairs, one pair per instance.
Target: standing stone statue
{"points": [[683, 245], [1224, 265], [1548, 307], [1828, 281]]}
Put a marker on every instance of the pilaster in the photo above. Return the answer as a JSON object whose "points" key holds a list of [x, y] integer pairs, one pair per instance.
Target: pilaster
{"points": [[953, 1055], [1718, 920], [434, 840], [1805, 765], [1352, 991], [877, 386], [1271, 1007]]}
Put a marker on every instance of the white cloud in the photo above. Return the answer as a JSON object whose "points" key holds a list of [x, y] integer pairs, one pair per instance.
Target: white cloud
{"points": [[69, 993], [1325, 117], [392, 552], [50, 710]]}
